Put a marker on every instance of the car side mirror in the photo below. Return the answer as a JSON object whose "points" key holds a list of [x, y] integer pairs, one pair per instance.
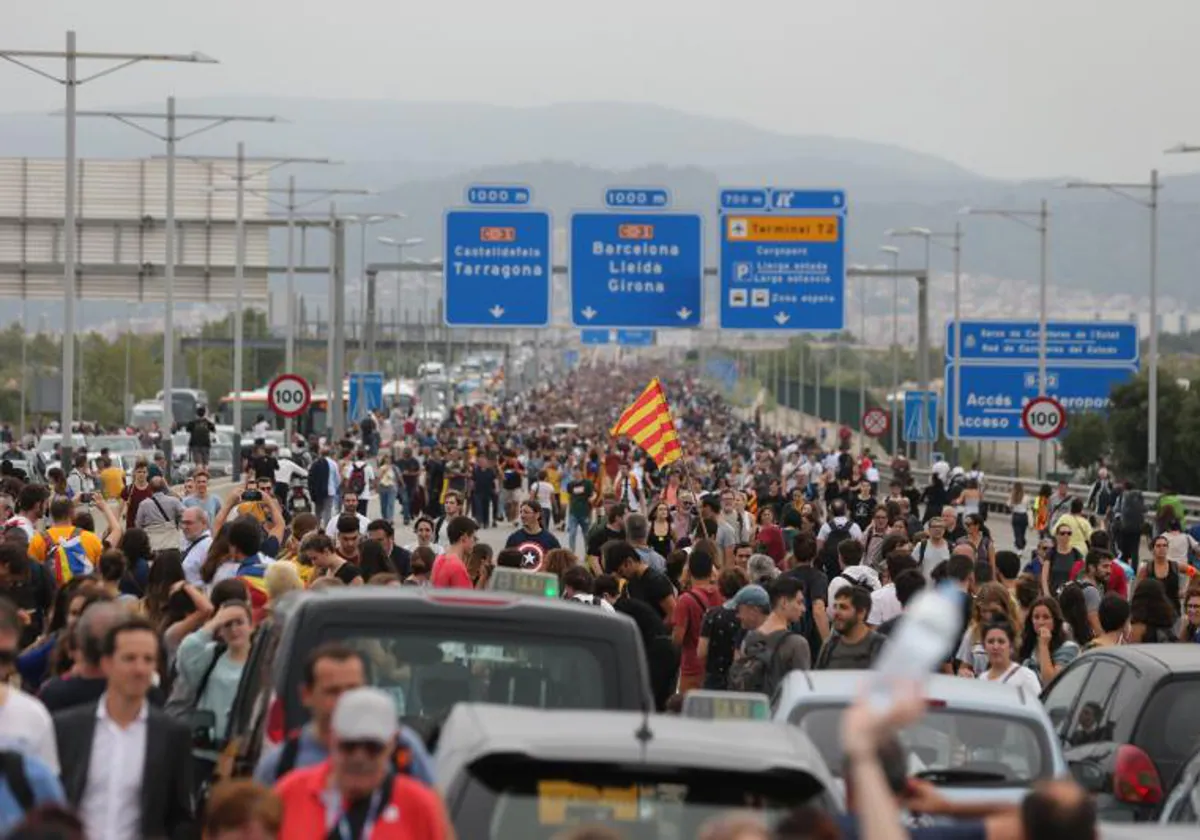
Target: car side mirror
{"points": [[1089, 776]]}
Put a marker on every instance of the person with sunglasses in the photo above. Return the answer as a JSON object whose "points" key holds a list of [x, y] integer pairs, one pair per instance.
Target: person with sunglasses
{"points": [[1056, 568], [357, 793]]}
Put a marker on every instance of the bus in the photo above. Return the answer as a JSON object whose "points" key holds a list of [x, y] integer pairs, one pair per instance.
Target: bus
{"points": [[184, 402], [315, 420]]}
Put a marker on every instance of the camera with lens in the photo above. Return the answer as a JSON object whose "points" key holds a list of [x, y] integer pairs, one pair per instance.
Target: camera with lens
{"points": [[253, 495]]}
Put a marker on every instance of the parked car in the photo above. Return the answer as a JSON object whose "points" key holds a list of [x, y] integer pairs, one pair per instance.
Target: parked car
{"points": [[434, 648], [1126, 717], [978, 741], [1183, 804], [531, 773]]}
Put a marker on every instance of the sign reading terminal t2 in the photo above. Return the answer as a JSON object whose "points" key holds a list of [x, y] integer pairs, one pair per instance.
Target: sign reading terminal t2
{"points": [[497, 268]]}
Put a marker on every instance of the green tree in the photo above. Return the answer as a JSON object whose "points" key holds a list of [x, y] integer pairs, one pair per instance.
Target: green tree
{"points": [[1178, 444], [1085, 440]]}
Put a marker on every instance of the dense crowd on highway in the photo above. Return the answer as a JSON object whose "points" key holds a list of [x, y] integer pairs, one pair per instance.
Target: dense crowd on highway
{"points": [[233, 659]]}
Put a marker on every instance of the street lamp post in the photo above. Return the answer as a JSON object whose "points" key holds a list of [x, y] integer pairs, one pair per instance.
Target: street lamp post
{"points": [[955, 246], [366, 292], [895, 253], [1151, 203], [71, 82], [1042, 227]]}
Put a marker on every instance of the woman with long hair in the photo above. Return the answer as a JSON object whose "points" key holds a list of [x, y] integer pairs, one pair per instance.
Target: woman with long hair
{"points": [[1162, 569], [660, 539], [1045, 648], [218, 555], [135, 545], [1075, 612], [1041, 512], [999, 641], [1152, 614], [557, 561], [992, 603], [164, 574]]}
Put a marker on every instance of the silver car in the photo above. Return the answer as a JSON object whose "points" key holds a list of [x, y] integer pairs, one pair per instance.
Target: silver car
{"points": [[977, 741]]}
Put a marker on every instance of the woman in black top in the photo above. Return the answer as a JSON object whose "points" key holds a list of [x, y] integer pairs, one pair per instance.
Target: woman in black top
{"points": [[661, 539]]}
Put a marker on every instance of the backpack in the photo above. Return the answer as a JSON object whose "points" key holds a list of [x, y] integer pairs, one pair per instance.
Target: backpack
{"points": [[754, 671], [876, 645], [67, 558], [12, 768], [1133, 510], [183, 699], [829, 554], [358, 479]]}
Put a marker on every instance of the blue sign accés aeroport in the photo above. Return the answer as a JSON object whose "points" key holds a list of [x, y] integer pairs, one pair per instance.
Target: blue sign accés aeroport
{"points": [[497, 268], [993, 396], [636, 270], [783, 262], [1066, 341]]}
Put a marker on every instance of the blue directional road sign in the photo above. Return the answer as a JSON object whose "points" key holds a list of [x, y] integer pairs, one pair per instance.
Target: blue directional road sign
{"points": [[783, 266], [497, 268], [595, 336], [993, 396], [366, 394], [636, 338], [920, 416], [636, 270], [1073, 342], [570, 359]]}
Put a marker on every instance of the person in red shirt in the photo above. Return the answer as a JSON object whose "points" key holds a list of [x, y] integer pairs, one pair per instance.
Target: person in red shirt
{"points": [[689, 615], [357, 793], [450, 569]]}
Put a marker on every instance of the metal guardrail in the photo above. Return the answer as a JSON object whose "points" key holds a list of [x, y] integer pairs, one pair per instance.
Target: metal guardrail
{"points": [[998, 488]]}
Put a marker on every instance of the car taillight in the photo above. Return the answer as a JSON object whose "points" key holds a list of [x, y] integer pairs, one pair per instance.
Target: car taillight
{"points": [[1135, 778], [276, 723]]}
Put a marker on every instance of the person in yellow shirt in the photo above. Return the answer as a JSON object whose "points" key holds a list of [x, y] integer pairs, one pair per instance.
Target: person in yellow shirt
{"points": [[112, 479], [1081, 529], [62, 511]]}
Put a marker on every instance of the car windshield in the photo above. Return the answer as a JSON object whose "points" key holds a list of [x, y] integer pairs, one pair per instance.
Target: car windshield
{"points": [[510, 796], [949, 746], [115, 443], [427, 671]]}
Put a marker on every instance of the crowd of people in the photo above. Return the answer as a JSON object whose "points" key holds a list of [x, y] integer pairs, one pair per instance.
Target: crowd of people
{"points": [[131, 607]]}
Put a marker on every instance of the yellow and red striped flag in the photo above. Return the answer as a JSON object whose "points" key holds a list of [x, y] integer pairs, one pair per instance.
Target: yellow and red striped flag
{"points": [[648, 423]]}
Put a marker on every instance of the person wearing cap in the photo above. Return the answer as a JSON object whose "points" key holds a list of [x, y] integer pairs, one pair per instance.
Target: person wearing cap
{"points": [[357, 794], [752, 605]]}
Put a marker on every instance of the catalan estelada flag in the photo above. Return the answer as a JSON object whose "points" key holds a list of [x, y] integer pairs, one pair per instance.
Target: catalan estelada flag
{"points": [[648, 423]]}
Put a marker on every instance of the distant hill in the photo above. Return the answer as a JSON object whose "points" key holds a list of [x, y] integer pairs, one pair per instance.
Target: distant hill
{"points": [[419, 156]]}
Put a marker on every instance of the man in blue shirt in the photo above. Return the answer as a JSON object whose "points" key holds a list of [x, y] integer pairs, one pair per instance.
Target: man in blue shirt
{"points": [[331, 670], [26, 783]]}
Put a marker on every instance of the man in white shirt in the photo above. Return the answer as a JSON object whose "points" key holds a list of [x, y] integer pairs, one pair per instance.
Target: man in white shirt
{"points": [[358, 478], [126, 765], [349, 508], [930, 553], [25, 725], [885, 604], [195, 543]]}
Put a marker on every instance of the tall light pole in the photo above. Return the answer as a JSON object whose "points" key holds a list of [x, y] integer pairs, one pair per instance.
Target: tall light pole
{"points": [[1042, 227], [71, 82], [895, 253], [171, 137], [366, 291], [955, 246], [400, 245], [1126, 191]]}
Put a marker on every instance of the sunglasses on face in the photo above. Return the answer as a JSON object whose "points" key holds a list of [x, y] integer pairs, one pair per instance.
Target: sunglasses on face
{"points": [[373, 749], [1064, 533]]}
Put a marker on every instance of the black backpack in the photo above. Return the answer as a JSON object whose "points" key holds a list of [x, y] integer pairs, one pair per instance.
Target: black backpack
{"points": [[829, 552], [754, 671], [12, 767]]}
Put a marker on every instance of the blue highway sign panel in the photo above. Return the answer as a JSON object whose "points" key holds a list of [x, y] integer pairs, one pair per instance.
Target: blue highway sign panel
{"points": [[636, 338], [595, 336], [994, 396], [920, 416], [366, 394], [1094, 342], [497, 268], [783, 266], [493, 195], [636, 270]]}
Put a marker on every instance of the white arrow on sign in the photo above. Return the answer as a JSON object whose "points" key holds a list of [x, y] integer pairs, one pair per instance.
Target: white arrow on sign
{"points": [[497, 311], [782, 318], [589, 313], [684, 313]]}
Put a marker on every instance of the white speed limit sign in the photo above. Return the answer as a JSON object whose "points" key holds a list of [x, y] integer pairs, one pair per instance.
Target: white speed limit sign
{"points": [[1044, 418], [289, 395]]}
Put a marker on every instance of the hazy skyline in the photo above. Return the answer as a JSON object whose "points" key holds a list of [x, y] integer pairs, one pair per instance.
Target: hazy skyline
{"points": [[1022, 89]]}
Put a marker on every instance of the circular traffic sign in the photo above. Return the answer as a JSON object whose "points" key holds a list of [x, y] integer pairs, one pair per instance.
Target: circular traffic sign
{"points": [[875, 422], [289, 395], [1044, 418]]}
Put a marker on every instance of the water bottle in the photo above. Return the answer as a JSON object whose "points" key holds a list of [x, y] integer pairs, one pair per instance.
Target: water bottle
{"points": [[923, 638]]}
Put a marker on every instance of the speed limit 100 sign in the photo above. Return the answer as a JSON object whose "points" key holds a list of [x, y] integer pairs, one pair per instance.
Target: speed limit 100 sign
{"points": [[1044, 418], [289, 395]]}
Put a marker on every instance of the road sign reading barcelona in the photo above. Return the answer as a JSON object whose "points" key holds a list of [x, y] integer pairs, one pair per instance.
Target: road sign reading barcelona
{"points": [[638, 270], [1097, 342], [993, 396], [783, 259], [497, 268]]}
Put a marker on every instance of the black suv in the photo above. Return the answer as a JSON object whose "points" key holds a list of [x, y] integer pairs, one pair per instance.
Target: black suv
{"points": [[1127, 720], [433, 648]]}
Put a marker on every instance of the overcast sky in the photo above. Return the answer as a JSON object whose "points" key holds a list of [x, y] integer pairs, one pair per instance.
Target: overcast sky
{"points": [[1009, 88]]}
